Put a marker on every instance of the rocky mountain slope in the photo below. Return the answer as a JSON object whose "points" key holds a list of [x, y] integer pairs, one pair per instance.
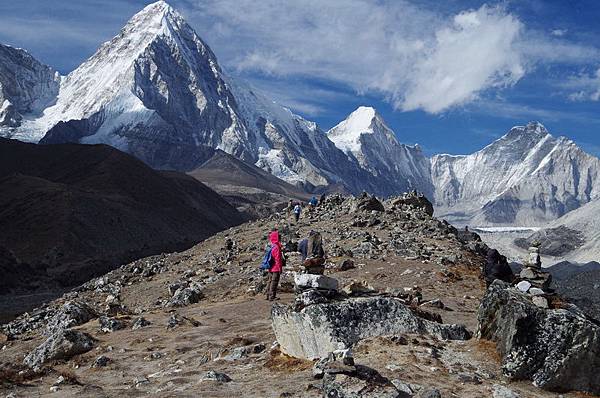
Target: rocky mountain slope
{"points": [[71, 212], [196, 323], [365, 138], [26, 87], [252, 190], [527, 178]]}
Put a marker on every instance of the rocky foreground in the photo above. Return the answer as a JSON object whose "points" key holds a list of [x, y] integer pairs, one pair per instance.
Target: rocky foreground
{"points": [[401, 311]]}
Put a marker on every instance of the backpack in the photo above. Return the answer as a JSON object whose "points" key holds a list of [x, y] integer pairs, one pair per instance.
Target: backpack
{"points": [[267, 261], [314, 246]]}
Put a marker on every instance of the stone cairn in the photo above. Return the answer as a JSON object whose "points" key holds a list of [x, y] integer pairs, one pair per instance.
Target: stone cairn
{"points": [[533, 279]]}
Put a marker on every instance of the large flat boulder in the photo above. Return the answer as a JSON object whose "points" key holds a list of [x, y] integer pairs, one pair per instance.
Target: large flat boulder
{"points": [[316, 330], [557, 348], [311, 281], [63, 344]]}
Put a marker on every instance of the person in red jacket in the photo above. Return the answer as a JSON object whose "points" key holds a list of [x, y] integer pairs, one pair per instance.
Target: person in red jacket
{"points": [[278, 260]]}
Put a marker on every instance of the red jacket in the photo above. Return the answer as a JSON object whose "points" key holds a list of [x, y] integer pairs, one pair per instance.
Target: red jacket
{"points": [[276, 252]]}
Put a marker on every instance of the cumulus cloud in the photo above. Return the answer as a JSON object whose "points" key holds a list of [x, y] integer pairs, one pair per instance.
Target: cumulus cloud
{"points": [[414, 57], [558, 32]]}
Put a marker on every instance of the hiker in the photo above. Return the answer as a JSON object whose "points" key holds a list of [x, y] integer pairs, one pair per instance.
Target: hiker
{"points": [[297, 211], [322, 198], [313, 202], [312, 253], [290, 207], [277, 261], [496, 267]]}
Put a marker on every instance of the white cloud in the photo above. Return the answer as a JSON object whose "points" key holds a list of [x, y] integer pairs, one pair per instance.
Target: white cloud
{"points": [[585, 87], [558, 32], [412, 56]]}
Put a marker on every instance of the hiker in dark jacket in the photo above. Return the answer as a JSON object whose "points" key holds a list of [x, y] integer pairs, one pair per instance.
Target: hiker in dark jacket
{"points": [[278, 260], [312, 253], [496, 267], [297, 211]]}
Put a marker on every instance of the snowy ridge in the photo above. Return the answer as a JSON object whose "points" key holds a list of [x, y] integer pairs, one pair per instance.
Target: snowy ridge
{"points": [[527, 177], [365, 137]]}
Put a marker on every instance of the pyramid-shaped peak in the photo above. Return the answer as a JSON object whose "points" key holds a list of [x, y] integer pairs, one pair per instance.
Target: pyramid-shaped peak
{"points": [[157, 8], [361, 120]]}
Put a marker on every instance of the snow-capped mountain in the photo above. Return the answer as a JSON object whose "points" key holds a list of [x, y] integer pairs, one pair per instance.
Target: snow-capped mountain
{"points": [[156, 91], [527, 177], [365, 138], [26, 86]]}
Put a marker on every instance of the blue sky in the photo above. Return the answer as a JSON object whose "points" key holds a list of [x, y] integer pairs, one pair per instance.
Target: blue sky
{"points": [[451, 76]]}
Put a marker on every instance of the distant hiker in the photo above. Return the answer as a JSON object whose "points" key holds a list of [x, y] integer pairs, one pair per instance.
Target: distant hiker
{"points": [[297, 211], [290, 207], [496, 267], [312, 253], [322, 198], [276, 261], [313, 202]]}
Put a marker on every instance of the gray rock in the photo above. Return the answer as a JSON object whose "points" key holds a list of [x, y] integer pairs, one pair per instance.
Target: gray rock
{"points": [[101, 362], [211, 375], [315, 331], [72, 313], [499, 391], [430, 393], [63, 344], [108, 325], [558, 349], [527, 273], [185, 296], [310, 281], [536, 291], [359, 382], [523, 286], [140, 322], [346, 264], [540, 301]]}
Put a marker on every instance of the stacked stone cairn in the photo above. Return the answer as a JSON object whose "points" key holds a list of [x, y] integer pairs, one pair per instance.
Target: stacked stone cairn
{"points": [[533, 280]]}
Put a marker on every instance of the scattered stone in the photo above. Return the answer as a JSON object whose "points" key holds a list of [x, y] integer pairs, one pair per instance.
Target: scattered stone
{"points": [[108, 325], [540, 301], [499, 391], [346, 264], [72, 313], [415, 200], [527, 273], [469, 378], [355, 288], [185, 296], [63, 344], [366, 202], [101, 362], [558, 349], [140, 322], [212, 375], [140, 381], [319, 329], [310, 281], [523, 286], [430, 393], [534, 291]]}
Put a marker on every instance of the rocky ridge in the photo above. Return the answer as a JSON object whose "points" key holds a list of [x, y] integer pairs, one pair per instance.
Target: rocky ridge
{"points": [[195, 323]]}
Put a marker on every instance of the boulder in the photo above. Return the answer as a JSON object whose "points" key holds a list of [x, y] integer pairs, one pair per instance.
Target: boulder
{"points": [[311, 281], [108, 324], [558, 349], [358, 381], [414, 199], [219, 377], [72, 313], [63, 344], [185, 296], [315, 331], [366, 202]]}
